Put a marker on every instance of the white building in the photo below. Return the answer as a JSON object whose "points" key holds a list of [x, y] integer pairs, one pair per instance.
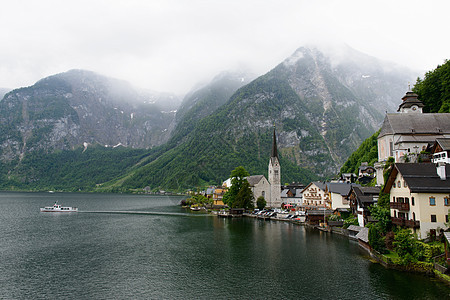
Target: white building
{"points": [[419, 196], [404, 135]]}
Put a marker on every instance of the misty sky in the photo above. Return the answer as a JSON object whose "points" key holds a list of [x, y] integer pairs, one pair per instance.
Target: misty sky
{"points": [[170, 45]]}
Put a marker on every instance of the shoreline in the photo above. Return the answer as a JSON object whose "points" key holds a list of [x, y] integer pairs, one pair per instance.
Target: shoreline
{"points": [[424, 268]]}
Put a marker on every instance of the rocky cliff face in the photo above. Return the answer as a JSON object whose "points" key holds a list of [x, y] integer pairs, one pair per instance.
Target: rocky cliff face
{"points": [[205, 100], [78, 108], [322, 108]]}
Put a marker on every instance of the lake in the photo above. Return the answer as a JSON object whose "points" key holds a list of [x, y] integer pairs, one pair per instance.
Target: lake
{"points": [[173, 253]]}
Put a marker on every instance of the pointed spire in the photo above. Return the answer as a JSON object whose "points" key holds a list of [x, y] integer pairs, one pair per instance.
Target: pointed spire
{"points": [[274, 144]]}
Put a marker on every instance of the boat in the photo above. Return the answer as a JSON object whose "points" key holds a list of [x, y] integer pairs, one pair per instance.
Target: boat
{"points": [[195, 208], [58, 208]]}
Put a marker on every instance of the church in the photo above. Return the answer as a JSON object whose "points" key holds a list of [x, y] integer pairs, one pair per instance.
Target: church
{"points": [[270, 189], [408, 132]]}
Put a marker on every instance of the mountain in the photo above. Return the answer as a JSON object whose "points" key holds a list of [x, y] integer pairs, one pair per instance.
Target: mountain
{"points": [[77, 108], [323, 104], [323, 109], [3, 92], [203, 101]]}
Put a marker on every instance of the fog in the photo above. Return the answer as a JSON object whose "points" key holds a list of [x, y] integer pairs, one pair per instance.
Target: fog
{"points": [[171, 45]]}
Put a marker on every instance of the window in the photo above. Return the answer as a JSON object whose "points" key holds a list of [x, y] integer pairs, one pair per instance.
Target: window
{"points": [[393, 199], [432, 201], [399, 184], [393, 185], [404, 184], [447, 201], [446, 218], [412, 201], [433, 218]]}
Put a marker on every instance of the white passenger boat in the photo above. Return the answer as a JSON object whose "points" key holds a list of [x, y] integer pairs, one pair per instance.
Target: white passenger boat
{"points": [[58, 208]]}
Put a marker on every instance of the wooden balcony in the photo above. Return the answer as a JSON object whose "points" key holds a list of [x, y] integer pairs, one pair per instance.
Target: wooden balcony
{"points": [[399, 206], [405, 223]]}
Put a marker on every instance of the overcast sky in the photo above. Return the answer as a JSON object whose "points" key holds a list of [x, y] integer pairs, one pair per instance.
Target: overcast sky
{"points": [[170, 45]]}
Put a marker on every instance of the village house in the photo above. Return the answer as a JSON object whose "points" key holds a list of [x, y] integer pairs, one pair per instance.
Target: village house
{"points": [[361, 198], [348, 177], [366, 173], [329, 195], [406, 134], [419, 196], [217, 195], [292, 194], [314, 195], [338, 195], [441, 151]]}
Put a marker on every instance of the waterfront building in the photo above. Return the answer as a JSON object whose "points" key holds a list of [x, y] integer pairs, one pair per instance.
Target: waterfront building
{"points": [[361, 198], [328, 195], [419, 196], [405, 134], [338, 195], [292, 194], [314, 196]]}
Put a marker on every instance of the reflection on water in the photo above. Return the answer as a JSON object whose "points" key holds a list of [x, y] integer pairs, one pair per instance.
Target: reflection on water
{"points": [[169, 254]]}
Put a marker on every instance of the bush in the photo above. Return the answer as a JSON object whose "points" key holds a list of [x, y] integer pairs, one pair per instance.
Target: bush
{"points": [[350, 221], [261, 202], [405, 246], [376, 240], [426, 252]]}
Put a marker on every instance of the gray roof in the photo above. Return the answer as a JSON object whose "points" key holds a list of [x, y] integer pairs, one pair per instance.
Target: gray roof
{"points": [[421, 178], [420, 123], [447, 236], [418, 138], [363, 234], [444, 143], [365, 196], [318, 212], [340, 187], [354, 228], [254, 179]]}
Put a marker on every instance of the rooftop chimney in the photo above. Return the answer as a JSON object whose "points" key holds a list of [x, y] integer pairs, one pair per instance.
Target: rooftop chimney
{"points": [[440, 168]]}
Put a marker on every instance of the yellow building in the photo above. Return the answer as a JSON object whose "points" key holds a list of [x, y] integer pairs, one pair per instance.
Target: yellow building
{"points": [[218, 195], [419, 196]]}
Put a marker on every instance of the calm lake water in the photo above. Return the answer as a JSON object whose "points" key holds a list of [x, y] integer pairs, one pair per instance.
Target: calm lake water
{"points": [[176, 254]]}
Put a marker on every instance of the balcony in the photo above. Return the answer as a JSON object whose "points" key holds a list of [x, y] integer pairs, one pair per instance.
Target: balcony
{"points": [[399, 206], [405, 223]]}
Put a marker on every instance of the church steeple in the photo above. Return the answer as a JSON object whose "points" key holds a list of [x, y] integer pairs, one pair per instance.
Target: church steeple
{"points": [[410, 104], [274, 145], [274, 175]]}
